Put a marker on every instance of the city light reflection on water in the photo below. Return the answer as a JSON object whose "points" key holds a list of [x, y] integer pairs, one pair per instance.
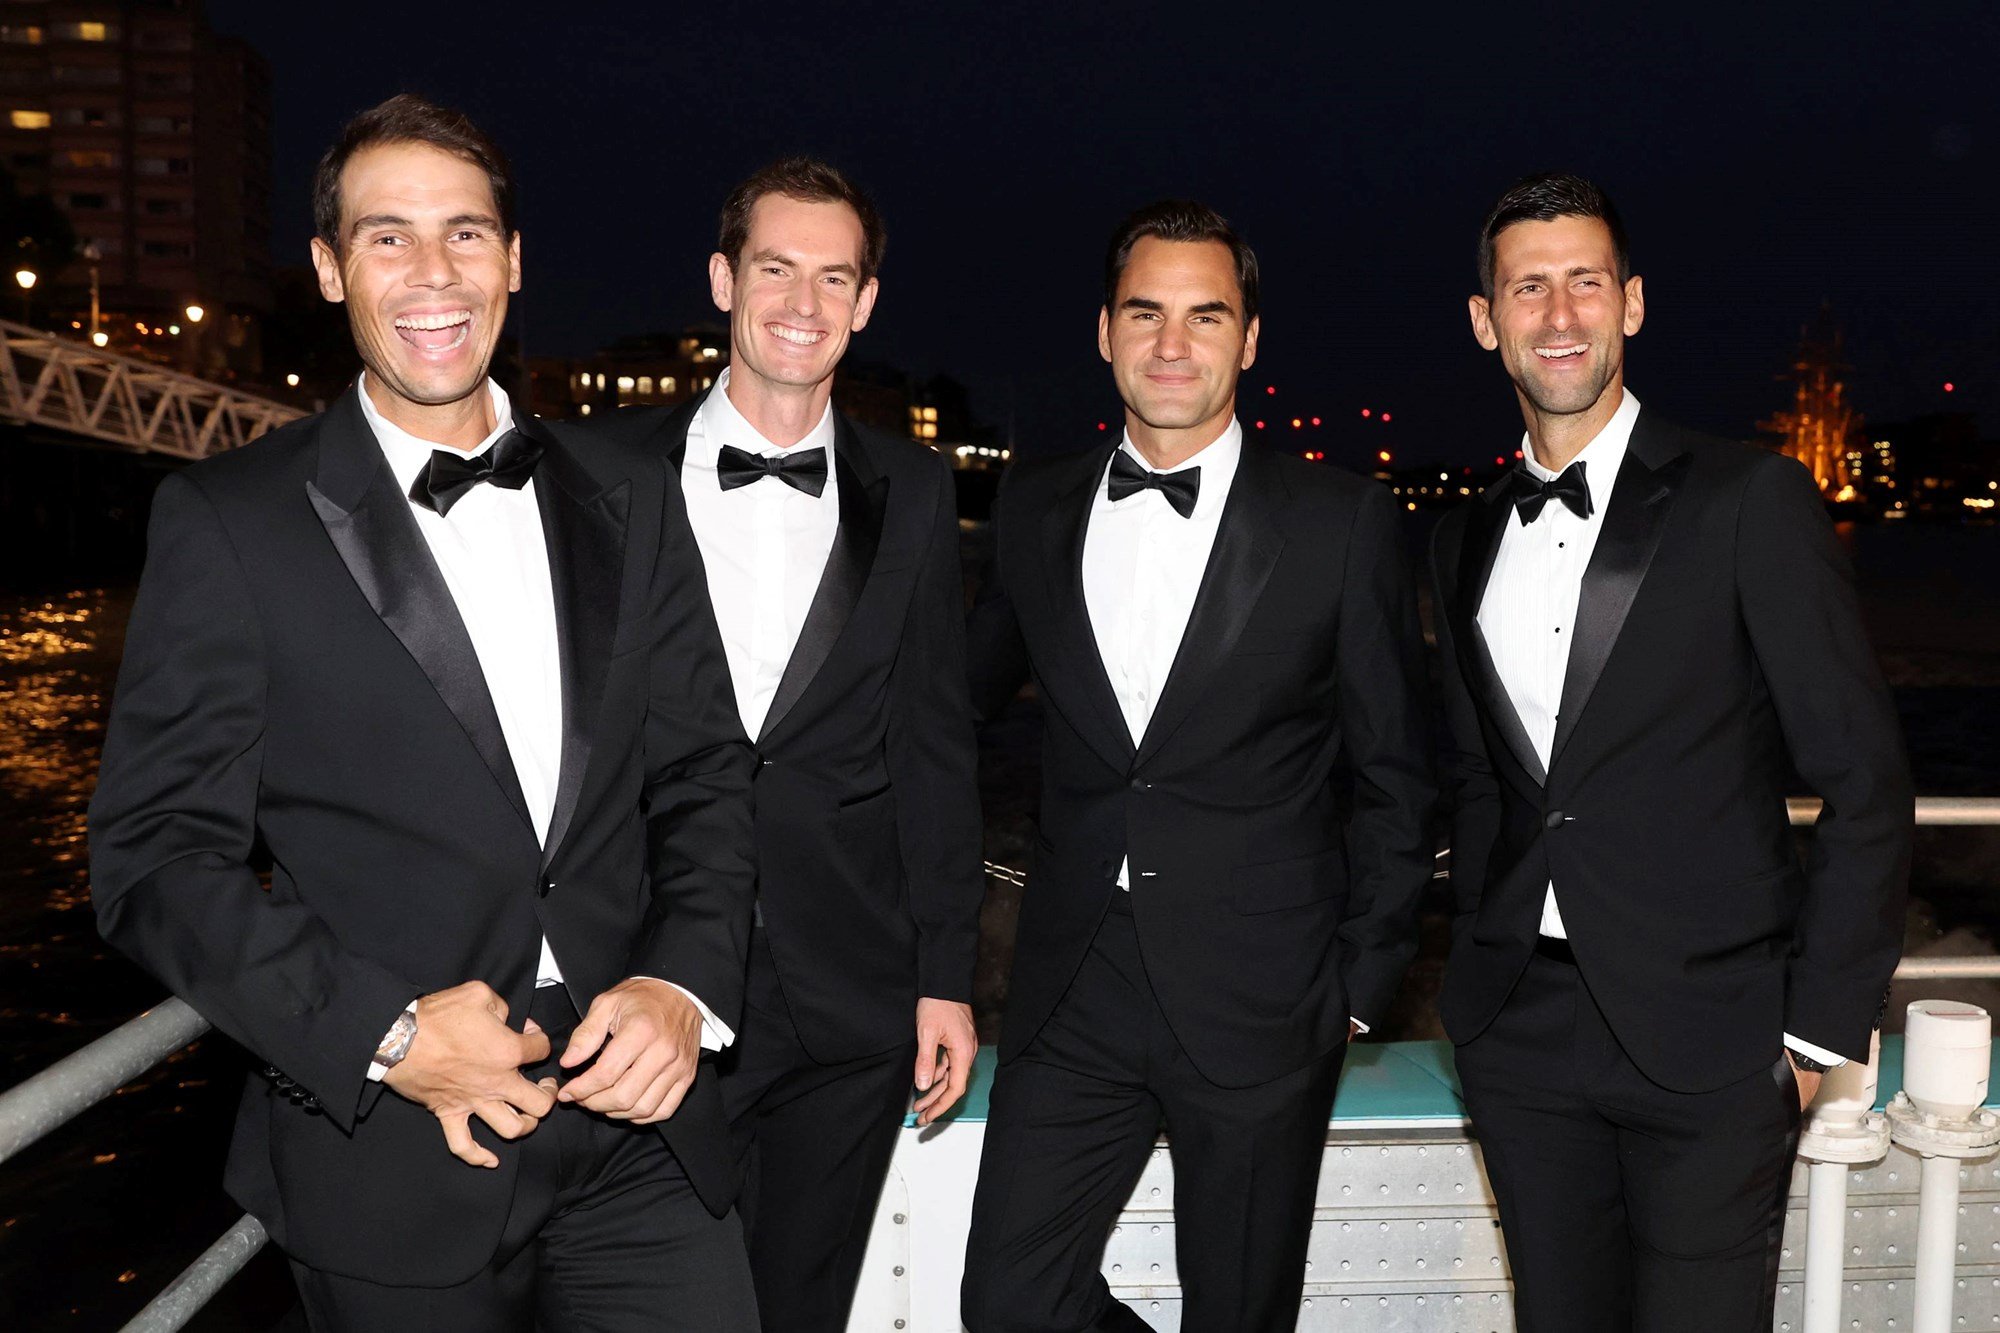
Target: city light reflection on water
{"points": [[103, 1212], [54, 684]]}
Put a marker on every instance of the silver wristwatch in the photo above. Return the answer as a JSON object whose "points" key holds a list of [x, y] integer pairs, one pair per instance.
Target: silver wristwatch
{"points": [[396, 1042]]}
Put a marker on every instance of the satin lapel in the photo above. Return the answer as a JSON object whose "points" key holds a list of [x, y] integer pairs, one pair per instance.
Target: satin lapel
{"points": [[371, 526], [863, 495], [1487, 524], [1247, 545], [584, 529], [672, 435], [1064, 528], [1641, 499]]}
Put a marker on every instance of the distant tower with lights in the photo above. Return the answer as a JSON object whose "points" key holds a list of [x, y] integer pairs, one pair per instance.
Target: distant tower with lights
{"points": [[1821, 429]]}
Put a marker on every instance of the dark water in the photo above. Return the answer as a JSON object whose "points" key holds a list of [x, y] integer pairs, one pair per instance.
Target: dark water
{"points": [[98, 1217]]}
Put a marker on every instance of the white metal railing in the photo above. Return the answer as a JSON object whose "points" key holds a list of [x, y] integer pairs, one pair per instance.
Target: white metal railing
{"points": [[49, 1099], [72, 386]]}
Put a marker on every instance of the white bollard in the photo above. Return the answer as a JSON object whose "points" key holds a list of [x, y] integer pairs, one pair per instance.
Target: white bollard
{"points": [[1940, 1113], [1844, 1131]]}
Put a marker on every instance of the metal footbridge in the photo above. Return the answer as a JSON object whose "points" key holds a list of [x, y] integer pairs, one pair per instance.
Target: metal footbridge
{"points": [[126, 402]]}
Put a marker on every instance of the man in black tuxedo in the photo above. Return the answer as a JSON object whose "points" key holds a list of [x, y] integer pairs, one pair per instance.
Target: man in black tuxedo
{"points": [[1236, 794], [1645, 633], [441, 670], [831, 555]]}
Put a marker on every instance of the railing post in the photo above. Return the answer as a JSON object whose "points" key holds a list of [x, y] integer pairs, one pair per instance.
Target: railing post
{"points": [[80, 1080], [199, 1281], [1940, 1114], [1845, 1131]]}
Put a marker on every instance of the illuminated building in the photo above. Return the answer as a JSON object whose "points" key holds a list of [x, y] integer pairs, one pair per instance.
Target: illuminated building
{"points": [[1821, 428], [153, 135]]}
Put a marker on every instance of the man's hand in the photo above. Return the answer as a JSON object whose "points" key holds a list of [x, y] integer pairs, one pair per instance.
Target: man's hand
{"points": [[942, 1076], [467, 1062], [646, 1036], [1807, 1079]]}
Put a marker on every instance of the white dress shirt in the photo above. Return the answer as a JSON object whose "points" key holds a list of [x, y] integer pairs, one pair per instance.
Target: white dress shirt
{"points": [[495, 564], [1142, 567], [1528, 613], [764, 546]]}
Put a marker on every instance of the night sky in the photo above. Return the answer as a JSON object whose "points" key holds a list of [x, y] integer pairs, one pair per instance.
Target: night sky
{"points": [[1767, 158]]}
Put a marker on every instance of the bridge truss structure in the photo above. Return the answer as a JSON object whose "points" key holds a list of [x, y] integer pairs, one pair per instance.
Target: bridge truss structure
{"points": [[66, 384]]}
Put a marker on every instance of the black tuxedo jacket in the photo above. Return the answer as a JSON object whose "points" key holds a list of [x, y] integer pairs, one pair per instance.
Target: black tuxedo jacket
{"points": [[868, 826], [1717, 649], [298, 688], [1277, 810]]}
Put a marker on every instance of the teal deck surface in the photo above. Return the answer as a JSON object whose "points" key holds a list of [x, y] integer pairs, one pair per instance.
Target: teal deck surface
{"points": [[1413, 1081]]}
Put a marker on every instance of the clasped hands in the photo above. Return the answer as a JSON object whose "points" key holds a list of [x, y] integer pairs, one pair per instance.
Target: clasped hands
{"points": [[644, 1035]]}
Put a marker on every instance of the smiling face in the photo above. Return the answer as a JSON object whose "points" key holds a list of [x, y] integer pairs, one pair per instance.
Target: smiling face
{"points": [[1559, 316], [424, 269], [794, 296], [1177, 341]]}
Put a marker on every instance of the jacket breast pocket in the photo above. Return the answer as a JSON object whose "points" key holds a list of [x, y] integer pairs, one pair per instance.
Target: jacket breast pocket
{"points": [[1278, 886]]}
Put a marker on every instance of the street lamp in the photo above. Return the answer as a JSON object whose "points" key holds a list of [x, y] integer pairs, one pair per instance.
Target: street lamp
{"points": [[94, 256], [194, 315], [27, 278]]}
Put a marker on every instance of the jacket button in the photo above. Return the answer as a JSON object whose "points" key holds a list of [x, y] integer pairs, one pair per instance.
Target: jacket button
{"points": [[545, 888], [1138, 785], [1554, 819]]}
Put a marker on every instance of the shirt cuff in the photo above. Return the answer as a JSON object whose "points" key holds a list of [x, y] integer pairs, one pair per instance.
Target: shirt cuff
{"points": [[715, 1034], [1360, 1028], [1805, 1048]]}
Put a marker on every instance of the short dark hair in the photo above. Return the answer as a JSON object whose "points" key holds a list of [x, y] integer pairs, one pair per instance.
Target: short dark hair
{"points": [[408, 118], [1544, 198], [1180, 220], [810, 181]]}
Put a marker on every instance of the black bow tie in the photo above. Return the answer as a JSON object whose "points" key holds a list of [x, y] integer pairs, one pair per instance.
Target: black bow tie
{"points": [[444, 480], [803, 470], [1129, 476], [1532, 494]]}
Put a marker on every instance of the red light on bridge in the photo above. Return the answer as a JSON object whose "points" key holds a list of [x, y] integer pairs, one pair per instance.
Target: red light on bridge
{"points": [[1101, 426], [1367, 411], [1315, 421], [1949, 386], [1270, 388], [1260, 425], [1385, 417]]}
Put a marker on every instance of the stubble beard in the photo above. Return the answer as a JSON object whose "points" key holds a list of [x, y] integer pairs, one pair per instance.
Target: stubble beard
{"points": [[1559, 400]]}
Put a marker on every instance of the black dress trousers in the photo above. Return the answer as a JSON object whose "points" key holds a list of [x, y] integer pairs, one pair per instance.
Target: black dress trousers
{"points": [[1625, 1206], [1073, 1119]]}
